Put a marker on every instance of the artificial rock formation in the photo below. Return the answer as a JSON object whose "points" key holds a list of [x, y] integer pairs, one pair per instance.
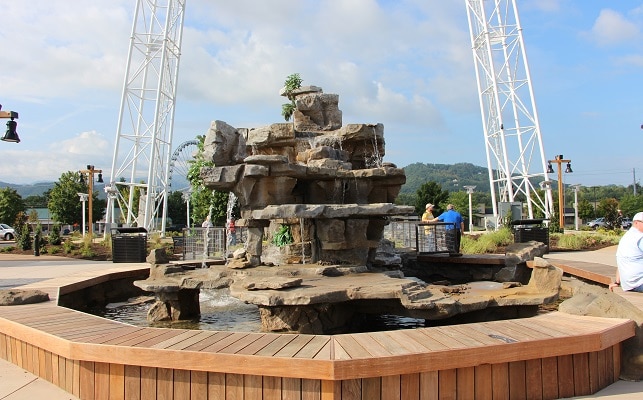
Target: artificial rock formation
{"points": [[326, 181]]}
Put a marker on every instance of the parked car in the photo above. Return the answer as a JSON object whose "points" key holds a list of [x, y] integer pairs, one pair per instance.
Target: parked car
{"points": [[626, 223], [7, 232], [597, 223]]}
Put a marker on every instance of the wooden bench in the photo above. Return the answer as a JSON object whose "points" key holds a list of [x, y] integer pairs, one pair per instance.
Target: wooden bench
{"points": [[549, 356]]}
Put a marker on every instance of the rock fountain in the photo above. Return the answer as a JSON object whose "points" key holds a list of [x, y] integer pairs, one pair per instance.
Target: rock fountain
{"points": [[327, 185]]}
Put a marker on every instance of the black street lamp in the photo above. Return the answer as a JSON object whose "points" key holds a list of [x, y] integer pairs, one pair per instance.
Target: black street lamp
{"points": [[559, 160], [11, 135]]}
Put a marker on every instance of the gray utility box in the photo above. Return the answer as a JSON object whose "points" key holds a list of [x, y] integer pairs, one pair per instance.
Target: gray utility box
{"points": [[129, 245], [526, 230]]}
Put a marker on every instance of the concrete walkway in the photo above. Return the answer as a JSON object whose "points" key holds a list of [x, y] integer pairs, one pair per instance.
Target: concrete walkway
{"points": [[18, 384]]}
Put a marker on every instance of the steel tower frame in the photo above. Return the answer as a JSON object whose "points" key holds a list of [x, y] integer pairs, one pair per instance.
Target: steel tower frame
{"points": [[513, 141], [146, 117]]}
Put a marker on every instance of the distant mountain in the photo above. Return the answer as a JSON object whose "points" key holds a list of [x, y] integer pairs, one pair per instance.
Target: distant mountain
{"points": [[38, 188], [450, 177], [34, 189]]}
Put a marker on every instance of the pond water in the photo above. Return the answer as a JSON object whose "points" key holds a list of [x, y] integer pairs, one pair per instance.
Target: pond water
{"points": [[222, 312]]}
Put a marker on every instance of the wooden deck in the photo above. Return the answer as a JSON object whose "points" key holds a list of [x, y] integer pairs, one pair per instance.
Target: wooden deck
{"points": [[549, 356]]}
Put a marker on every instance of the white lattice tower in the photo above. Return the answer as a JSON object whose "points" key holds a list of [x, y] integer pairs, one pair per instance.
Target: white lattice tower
{"points": [[146, 118], [512, 135]]}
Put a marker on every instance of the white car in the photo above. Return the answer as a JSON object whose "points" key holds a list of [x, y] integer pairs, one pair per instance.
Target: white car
{"points": [[597, 223], [7, 232]]}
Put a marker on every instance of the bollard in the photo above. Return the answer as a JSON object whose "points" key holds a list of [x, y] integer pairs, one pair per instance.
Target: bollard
{"points": [[36, 245]]}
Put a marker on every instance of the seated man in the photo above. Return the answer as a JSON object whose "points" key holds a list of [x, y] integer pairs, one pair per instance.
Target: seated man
{"points": [[629, 257]]}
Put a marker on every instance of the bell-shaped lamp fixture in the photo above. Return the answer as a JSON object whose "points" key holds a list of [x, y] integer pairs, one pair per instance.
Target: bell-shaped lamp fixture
{"points": [[81, 177], [100, 178], [569, 168], [550, 169], [11, 135]]}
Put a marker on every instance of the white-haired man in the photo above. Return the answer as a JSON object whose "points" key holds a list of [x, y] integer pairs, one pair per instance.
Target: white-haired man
{"points": [[629, 257]]}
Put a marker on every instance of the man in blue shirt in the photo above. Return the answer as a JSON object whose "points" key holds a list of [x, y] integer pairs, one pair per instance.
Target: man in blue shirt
{"points": [[455, 231]]}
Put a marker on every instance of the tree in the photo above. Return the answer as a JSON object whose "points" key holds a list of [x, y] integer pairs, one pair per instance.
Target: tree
{"points": [[609, 209], [64, 203], [460, 201], [585, 209], [631, 204], [37, 201], [11, 204], [177, 208], [430, 192], [205, 201]]}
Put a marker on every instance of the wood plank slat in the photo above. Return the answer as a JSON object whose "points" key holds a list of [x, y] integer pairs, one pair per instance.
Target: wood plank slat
{"points": [[372, 346], [372, 388], [210, 340], [199, 336], [239, 345], [465, 381], [351, 346], [199, 385], [482, 382], [259, 343], [294, 346], [224, 342], [310, 389], [534, 379], [101, 381], [313, 347], [273, 347]]}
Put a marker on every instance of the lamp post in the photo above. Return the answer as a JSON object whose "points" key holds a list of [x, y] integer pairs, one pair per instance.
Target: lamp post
{"points": [[559, 160], [109, 218], [186, 197], [11, 135], [83, 199], [90, 171], [470, 190], [576, 189]]}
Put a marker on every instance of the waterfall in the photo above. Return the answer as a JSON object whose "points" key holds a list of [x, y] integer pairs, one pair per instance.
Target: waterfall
{"points": [[232, 201], [301, 232], [375, 160]]}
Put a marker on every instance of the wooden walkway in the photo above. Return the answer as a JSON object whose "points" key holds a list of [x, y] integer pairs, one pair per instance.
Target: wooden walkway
{"points": [[549, 356]]}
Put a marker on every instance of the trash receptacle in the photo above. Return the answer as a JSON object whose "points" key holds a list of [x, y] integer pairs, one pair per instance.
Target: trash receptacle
{"points": [[129, 244], [526, 230]]}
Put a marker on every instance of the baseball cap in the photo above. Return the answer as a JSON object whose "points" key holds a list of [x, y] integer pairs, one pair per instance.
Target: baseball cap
{"points": [[638, 216], [429, 205]]}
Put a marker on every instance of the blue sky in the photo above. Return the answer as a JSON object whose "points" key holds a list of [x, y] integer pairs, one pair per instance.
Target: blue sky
{"points": [[406, 64]]}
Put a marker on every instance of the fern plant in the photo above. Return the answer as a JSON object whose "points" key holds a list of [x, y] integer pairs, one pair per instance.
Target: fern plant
{"points": [[282, 236]]}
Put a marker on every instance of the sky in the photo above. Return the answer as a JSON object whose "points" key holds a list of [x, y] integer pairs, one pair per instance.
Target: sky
{"points": [[406, 64]]}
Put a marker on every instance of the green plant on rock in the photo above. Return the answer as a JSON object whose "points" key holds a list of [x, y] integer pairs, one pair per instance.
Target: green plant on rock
{"points": [[292, 83], [282, 236]]}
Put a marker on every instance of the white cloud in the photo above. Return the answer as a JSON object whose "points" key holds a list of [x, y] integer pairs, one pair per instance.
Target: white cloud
{"points": [[613, 28], [49, 163], [63, 47]]}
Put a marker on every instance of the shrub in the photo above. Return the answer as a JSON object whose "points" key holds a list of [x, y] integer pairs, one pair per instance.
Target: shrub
{"points": [[68, 246], [54, 235]]}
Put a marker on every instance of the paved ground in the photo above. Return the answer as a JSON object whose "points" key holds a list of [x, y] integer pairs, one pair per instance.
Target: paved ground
{"points": [[18, 384]]}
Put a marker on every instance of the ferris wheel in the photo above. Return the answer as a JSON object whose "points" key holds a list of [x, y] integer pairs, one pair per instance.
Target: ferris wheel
{"points": [[180, 165]]}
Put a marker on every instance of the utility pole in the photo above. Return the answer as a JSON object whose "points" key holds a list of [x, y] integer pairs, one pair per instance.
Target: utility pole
{"points": [[90, 171], [559, 160], [576, 189], [470, 189]]}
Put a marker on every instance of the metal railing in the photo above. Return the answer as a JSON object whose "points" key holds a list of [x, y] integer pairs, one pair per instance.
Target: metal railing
{"points": [[204, 243], [439, 237]]}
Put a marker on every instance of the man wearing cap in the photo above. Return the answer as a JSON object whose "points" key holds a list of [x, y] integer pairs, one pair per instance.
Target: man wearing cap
{"points": [[629, 258], [428, 217]]}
